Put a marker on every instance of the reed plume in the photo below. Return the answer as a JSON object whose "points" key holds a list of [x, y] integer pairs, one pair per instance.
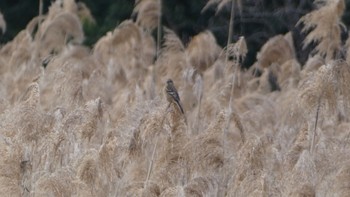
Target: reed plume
{"points": [[323, 26], [275, 50], [172, 61], [76, 121], [202, 51], [148, 12], [319, 92]]}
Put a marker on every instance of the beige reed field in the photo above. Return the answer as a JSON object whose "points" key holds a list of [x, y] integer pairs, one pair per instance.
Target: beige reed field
{"points": [[80, 121]]}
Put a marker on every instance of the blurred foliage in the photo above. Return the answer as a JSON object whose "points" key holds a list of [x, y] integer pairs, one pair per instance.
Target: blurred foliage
{"points": [[108, 14], [17, 14], [258, 20]]}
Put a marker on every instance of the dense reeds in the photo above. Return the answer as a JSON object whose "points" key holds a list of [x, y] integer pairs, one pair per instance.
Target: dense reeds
{"points": [[76, 121]]}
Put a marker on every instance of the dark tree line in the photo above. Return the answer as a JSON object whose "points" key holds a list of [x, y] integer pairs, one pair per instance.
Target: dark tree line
{"points": [[258, 20]]}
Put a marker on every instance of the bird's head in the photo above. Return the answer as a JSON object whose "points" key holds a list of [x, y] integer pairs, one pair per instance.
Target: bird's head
{"points": [[169, 81]]}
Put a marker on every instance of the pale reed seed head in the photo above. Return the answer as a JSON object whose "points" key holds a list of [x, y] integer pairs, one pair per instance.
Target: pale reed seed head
{"points": [[203, 51], [238, 50], [319, 90], [56, 184], [70, 31], [148, 12], [87, 171], [342, 77], [206, 186], [276, 50], [341, 180], [306, 190], [172, 42], [32, 95], [289, 74], [324, 27], [173, 192], [172, 62]]}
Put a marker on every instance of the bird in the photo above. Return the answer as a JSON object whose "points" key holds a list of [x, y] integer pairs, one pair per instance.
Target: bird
{"points": [[172, 95]]}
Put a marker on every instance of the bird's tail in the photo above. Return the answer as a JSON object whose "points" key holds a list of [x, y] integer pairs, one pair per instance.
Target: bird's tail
{"points": [[180, 107]]}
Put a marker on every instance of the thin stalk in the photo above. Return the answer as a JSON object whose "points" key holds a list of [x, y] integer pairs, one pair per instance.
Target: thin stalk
{"points": [[151, 163], [229, 40], [41, 10], [41, 5], [198, 113], [312, 147], [159, 29], [159, 36], [37, 48], [229, 114], [230, 30]]}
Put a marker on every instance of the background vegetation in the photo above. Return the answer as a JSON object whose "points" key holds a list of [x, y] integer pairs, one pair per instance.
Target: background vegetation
{"points": [[258, 21]]}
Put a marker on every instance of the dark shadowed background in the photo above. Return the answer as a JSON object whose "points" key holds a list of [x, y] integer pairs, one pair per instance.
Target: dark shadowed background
{"points": [[258, 20]]}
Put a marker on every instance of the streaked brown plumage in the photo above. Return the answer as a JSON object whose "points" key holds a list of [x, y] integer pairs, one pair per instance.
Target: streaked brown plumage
{"points": [[172, 95]]}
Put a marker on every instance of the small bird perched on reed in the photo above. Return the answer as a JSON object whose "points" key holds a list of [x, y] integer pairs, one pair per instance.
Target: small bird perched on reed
{"points": [[172, 95]]}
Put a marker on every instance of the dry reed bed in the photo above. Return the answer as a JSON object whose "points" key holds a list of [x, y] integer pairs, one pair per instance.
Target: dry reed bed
{"points": [[96, 123]]}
